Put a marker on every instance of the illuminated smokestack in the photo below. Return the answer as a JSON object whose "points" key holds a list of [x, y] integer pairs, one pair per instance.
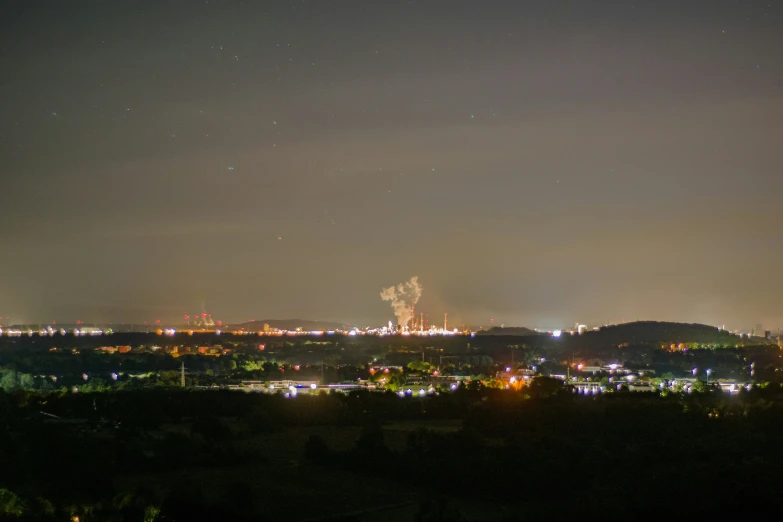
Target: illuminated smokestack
{"points": [[445, 322]]}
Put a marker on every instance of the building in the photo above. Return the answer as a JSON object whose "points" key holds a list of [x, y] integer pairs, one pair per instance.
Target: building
{"points": [[587, 387], [581, 329], [283, 386]]}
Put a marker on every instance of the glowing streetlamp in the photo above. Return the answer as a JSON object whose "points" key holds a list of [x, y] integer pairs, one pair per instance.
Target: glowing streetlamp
{"points": [[694, 371]]}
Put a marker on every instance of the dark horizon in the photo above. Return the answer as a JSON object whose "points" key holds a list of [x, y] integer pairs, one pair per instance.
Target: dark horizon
{"points": [[536, 163]]}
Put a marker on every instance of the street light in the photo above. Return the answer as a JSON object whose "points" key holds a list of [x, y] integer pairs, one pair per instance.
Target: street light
{"points": [[694, 371], [709, 371]]}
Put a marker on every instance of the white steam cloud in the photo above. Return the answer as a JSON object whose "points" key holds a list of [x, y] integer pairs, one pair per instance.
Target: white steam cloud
{"points": [[403, 297]]}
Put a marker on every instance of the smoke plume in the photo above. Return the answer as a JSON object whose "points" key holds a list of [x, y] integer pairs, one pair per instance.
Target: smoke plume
{"points": [[403, 297]]}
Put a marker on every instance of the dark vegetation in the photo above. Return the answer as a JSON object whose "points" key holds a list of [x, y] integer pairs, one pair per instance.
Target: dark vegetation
{"points": [[85, 445], [528, 453]]}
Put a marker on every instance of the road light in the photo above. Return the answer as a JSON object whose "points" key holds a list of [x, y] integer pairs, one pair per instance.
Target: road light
{"points": [[709, 372], [694, 371]]}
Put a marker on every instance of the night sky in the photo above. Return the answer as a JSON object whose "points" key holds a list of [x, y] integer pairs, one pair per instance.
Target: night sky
{"points": [[539, 163]]}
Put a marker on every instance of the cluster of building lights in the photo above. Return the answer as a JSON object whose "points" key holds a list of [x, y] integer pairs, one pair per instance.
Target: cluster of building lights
{"points": [[49, 331], [383, 331]]}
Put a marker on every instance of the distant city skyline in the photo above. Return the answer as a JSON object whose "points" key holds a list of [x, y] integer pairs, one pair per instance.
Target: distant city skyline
{"points": [[217, 322]]}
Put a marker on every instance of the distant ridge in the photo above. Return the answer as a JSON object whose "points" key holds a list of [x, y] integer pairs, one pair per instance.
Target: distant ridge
{"points": [[644, 332], [519, 331], [290, 324], [641, 332]]}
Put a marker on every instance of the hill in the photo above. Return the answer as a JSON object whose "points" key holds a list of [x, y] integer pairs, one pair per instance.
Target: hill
{"points": [[290, 324], [518, 331], [653, 332], [635, 333]]}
